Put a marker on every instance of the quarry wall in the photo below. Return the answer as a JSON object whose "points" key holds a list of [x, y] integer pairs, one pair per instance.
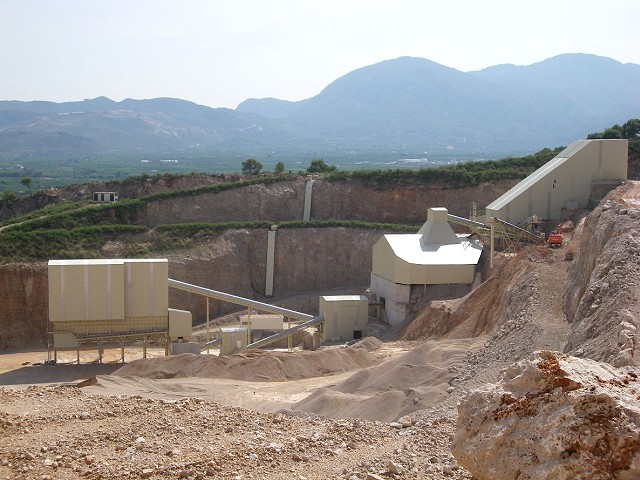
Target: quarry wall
{"points": [[600, 300], [24, 309], [331, 200]]}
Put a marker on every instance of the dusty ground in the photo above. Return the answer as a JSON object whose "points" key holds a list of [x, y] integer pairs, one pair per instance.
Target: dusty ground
{"points": [[133, 427], [392, 418]]}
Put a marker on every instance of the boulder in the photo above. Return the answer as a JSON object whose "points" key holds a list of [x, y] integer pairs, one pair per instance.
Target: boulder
{"points": [[553, 416]]}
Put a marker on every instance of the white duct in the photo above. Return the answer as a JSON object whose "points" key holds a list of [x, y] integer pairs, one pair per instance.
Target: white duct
{"points": [[306, 216], [271, 253]]}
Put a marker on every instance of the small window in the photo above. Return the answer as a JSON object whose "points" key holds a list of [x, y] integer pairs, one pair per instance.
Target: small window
{"points": [[357, 334]]}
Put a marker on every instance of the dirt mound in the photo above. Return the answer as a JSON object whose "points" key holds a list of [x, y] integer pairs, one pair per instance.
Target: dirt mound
{"points": [[370, 344], [254, 365], [411, 382], [479, 311]]}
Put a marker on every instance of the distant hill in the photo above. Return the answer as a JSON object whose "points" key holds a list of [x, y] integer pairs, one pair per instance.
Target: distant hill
{"points": [[101, 125], [412, 101], [406, 104]]}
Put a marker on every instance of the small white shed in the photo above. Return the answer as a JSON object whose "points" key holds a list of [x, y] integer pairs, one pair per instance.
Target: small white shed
{"points": [[105, 197]]}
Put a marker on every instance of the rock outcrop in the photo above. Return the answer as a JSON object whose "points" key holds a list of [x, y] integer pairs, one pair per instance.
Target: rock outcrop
{"points": [[553, 416], [601, 300]]}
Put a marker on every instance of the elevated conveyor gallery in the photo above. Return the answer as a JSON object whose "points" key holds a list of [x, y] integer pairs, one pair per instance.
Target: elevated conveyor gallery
{"points": [[566, 180]]}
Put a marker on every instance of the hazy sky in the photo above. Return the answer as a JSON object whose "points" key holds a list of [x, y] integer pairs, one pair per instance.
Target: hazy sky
{"points": [[221, 52]]}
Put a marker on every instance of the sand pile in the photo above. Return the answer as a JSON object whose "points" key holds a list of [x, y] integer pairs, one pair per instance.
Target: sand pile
{"points": [[370, 344], [419, 378], [254, 365]]}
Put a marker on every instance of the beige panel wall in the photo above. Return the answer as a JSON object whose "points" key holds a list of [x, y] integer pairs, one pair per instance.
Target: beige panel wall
{"points": [[232, 340], [362, 316], [180, 324], [347, 313], [402, 271], [146, 287], [263, 322], [65, 340], [88, 297], [86, 292], [615, 154], [441, 274], [328, 312], [383, 259]]}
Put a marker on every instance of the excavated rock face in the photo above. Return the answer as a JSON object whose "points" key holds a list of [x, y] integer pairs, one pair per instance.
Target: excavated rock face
{"points": [[272, 202], [355, 200], [337, 200], [601, 300], [24, 305], [553, 417]]}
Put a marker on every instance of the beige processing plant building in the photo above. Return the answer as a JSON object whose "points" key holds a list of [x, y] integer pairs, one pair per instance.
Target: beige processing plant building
{"points": [[107, 299], [402, 263]]}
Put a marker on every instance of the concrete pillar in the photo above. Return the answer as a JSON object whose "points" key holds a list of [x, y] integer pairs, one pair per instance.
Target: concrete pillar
{"points": [[492, 222], [208, 330]]}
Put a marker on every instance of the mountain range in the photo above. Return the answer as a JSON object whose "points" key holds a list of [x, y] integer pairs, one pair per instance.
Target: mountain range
{"points": [[407, 104]]}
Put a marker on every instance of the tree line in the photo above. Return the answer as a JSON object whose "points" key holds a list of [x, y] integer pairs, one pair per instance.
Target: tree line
{"points": [[629, 130], [251, 167]]}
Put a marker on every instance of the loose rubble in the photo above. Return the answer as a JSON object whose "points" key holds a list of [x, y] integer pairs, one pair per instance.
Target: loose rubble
{"points": [[63, 433]]}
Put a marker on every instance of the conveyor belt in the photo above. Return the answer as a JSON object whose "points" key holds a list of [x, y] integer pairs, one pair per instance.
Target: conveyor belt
{"points": [[308, 320]]}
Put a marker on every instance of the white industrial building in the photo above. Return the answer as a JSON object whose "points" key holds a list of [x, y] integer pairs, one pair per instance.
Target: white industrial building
{"points": [[404, 263], [581, 171], [262, 321], [105, 197]]}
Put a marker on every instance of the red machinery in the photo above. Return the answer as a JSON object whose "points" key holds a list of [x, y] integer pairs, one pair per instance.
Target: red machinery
{"points": [[556, 238]]}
